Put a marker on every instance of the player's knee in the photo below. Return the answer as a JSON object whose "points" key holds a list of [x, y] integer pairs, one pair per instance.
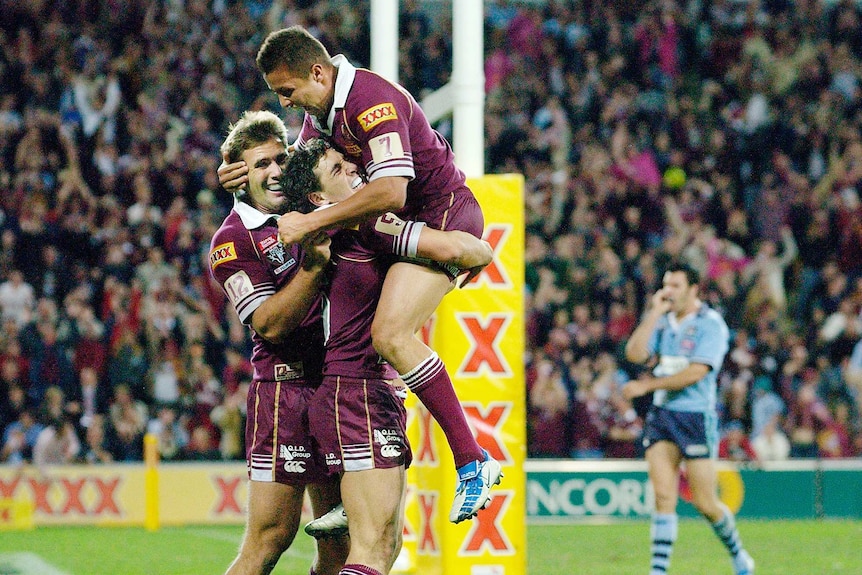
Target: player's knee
{"points": [[385, 340], [665, 503], [269, 542]]}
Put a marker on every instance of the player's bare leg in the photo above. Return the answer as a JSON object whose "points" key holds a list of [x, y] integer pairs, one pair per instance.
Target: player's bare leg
{"points": [[410, 295], [273, 518], [331, 551], [374, 502], [703, 479]]}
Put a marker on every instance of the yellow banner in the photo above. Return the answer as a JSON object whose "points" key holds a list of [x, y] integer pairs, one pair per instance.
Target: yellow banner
{"points": [[115, 494], [478, 331]]}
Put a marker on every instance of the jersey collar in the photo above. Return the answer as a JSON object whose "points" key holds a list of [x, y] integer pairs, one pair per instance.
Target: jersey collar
{"points": [[675, 323], [251, 217], [343, 84]]}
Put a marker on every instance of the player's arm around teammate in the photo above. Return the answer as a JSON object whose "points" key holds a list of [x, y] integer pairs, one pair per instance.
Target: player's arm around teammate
{"points": [[371, 456], [409, 164], [275, 290]]}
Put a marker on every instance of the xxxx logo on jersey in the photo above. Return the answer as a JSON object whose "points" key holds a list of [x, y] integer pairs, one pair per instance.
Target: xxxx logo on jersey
{"points": [[376, 114], [221, 254]]}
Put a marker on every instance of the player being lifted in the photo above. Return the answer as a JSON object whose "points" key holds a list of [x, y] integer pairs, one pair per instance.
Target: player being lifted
{"points": [[411, 172], [355, 416]]}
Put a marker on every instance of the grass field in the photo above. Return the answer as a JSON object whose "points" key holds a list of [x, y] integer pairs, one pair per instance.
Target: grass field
{"points": [[779, 547]]}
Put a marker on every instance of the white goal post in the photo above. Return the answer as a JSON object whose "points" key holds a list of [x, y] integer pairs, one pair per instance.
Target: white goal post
{"points": [[464, 95]]}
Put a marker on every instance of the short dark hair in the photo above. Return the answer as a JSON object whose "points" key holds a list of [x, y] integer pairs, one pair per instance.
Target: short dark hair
{"points": [[299, 179], [294, 48], [691, 274]]}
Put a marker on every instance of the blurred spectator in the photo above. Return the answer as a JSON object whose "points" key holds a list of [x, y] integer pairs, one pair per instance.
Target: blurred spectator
{"points": [[624, 428], [734, 444], [17, 298], [97, 446], [201, 446], [90, 399], [170, 433], [771, 444], [20, 437], [128, 364], [128, 419], [229, 417], [766, 405], [548, 411], [807, 417], [49, 363], [57, 443]]}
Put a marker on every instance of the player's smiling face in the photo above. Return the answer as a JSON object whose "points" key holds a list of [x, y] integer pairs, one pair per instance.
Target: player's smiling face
{"points": [[339, 178], [265, 166], [312, 92]]}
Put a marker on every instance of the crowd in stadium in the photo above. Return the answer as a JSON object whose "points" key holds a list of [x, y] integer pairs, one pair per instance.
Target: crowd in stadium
{"points": [[725, 134]]}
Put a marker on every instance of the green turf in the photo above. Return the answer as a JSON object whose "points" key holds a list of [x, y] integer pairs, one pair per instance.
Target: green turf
{"points": [[779, 547]]}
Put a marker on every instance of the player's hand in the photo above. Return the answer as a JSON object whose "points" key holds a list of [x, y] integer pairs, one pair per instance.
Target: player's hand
{"points": [[317, 250], [292, 228], [661, 302], [635, 388], [233, 177]]}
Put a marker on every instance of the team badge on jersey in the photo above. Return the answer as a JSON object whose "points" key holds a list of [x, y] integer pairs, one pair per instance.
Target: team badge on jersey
{"points": [[377, 114], [275, 254], [221, 254], [288, 371]]}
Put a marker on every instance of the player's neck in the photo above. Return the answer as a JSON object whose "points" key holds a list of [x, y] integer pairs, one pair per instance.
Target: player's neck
{"points": [[330, 101], [689, 309]]}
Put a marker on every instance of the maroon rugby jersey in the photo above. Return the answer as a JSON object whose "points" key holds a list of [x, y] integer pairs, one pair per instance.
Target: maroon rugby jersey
{"points": [[380, 127], [250, 264], [358, 266]]}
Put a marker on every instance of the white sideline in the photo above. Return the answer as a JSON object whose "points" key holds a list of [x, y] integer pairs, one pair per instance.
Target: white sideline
{"points": [[27, 564]]}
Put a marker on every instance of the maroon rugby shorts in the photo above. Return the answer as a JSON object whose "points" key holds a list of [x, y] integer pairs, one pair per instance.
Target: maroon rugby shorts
{"points": [[279, 447], [359, 424]]}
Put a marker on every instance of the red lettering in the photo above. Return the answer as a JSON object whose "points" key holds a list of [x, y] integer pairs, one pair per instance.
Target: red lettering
{"points": [[40, 495], [427, 541], [227, 489], [494, 273], [427, 330], [426, 453], [486, 531], [107, 503], [408, 531], [488, 425], [7, 490], [484, 348], [73, 495]]}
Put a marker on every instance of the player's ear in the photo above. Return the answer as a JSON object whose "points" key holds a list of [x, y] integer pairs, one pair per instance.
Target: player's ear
{"points": [[316, 72], [317, 199]]}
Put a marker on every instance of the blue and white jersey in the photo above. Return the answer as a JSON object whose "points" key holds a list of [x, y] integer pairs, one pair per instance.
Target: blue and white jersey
{"points": [[701, 337]]}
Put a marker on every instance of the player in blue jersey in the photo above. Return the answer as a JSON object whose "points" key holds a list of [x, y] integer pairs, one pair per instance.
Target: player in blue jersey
{"points": [[688, 341]]}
